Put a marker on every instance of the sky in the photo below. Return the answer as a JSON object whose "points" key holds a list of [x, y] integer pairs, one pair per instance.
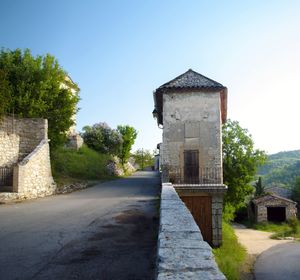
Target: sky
{"points": [[120, 51]]}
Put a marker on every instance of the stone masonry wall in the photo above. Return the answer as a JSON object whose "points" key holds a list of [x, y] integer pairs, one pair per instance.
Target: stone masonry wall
{"points": [[192, 121], [20, 135], [9, 149], [32, 176], [182, 253]]}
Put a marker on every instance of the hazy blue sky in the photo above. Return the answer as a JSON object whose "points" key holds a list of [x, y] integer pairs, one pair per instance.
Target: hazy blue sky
{"points": [[120, 51]]}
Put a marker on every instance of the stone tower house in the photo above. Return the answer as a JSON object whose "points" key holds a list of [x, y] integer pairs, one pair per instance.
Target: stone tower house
{"points": [[191, 109]]}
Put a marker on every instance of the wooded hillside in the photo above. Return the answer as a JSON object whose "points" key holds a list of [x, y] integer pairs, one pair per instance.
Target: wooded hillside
{"points": [[281, 169]]}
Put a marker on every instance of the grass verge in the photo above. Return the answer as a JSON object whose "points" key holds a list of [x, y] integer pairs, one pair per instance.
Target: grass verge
{"points": [[85, 164], [231, 255], [290, 228]]}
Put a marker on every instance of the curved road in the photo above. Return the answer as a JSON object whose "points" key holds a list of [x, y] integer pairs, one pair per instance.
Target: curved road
{"points": [[108, 231], [279, 263]]}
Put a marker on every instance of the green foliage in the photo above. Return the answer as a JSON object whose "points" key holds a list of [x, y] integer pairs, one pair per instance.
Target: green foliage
{"points": [[103, 139], [144, 158], [240, 162], [231, 255], [279, 161], [281, 230], [82, 164], [228, 212], [259, 188], [294, 225], [32, 87], [281, 169], [284, 176], [129, 135], [296, 191]]}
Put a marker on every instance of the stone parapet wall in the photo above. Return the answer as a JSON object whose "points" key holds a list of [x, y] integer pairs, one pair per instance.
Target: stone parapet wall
{"points": [[32, 176], [182, 253]]}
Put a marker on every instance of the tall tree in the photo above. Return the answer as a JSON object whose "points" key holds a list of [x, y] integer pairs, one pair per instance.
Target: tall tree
{"points": [[240, 162], [143, 158], [37, 87], [296, 191], [129, 135], [259, 188]]}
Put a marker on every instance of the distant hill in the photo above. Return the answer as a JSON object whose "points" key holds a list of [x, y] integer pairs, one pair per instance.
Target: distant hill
{"points": [[281, 169]]}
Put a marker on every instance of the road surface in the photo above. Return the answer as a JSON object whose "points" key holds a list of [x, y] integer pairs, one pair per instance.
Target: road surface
{"points": [[108, 231], [281, 262]]}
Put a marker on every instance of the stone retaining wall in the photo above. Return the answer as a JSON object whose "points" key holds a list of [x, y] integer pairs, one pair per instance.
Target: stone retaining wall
{"points": [[32, 176], [9, 149], [19, 137], [182, 253]]}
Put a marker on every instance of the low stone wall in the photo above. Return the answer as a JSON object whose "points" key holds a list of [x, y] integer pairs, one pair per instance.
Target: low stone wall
{"points": [[32, 176], [182, 253]]}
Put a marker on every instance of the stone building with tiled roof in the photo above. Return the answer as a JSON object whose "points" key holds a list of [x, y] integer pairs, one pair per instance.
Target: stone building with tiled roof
{"points": [[191, 109], [272, 208]]}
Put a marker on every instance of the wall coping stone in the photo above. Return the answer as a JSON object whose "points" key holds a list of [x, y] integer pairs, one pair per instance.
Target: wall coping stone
{"points": [[182, 253], [34, 152]]}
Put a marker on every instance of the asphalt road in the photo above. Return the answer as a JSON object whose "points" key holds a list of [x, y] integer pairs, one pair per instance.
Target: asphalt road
{"points": [[281, 262], [108, 231]]}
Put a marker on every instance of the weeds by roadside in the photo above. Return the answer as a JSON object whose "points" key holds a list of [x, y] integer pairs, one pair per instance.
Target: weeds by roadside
{"points": [[291, 228], [231, 255]]}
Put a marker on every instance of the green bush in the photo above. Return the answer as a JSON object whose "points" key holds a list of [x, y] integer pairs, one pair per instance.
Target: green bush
{"points": [[82, 164], [228, 212], [231, 255], [294, 225]]}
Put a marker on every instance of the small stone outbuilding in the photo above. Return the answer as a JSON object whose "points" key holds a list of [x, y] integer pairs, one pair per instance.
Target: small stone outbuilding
{"points": [[272, 208]]}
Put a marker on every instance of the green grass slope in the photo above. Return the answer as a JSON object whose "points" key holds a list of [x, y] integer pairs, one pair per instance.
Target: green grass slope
{"points": [[84, 164]]}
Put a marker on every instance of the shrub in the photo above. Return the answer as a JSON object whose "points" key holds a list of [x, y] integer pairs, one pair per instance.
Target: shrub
{"points": [[294, 225]]}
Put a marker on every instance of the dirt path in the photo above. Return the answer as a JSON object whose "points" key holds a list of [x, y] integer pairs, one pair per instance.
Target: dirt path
{"points": [[255, 242]]}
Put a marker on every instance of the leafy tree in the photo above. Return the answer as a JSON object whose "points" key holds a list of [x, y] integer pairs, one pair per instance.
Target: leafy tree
{"points": [[103, 139], [259, 188], [36, 87], [5, 92], [143, 158], [296, 191], [240, 162], [129, 135]]}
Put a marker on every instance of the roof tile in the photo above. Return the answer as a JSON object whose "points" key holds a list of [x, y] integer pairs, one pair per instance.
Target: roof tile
{"points": [[191, 79]]}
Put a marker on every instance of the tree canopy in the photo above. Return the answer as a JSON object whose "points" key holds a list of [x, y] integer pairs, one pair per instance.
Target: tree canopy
{"points": [[296, 190], [144, 158], [259, 188], [129, 135], [240, 162], [102, 138], [36, 87]]}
